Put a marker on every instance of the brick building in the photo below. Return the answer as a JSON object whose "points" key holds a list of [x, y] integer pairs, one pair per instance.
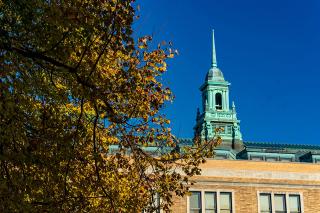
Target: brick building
{"points": [[247, 177]]}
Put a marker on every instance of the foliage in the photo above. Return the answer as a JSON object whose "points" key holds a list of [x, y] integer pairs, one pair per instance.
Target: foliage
{"points": [[79, 109]]}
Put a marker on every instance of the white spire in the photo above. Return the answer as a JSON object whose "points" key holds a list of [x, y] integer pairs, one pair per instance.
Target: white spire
{"points": [[214, 58]]}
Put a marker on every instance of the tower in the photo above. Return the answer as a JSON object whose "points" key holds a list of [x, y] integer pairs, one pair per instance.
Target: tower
{"points": [[216, 112]]}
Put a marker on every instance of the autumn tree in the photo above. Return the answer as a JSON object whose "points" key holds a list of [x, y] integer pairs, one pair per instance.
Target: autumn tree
{"points": [[80, 104]]}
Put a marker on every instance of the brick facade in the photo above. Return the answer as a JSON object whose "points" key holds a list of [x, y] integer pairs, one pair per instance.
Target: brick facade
{"points": [[245, 179]]}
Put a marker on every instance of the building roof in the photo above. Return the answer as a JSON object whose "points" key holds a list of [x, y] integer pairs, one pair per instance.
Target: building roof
{"points": [[214, 74], [280, 145], [266, 151], [264, 145]]}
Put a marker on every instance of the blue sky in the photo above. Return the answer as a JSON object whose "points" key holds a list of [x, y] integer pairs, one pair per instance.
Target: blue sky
{"points": [[268, 50]]}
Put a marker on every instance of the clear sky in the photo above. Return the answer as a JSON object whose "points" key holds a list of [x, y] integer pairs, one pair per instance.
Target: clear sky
{"points": [[268, 50]]}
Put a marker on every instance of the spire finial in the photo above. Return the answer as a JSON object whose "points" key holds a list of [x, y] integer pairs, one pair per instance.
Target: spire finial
{"points": [[214, 58]]}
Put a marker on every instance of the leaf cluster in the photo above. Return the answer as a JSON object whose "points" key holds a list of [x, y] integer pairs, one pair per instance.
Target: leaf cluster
{"points": [[80, 104]]}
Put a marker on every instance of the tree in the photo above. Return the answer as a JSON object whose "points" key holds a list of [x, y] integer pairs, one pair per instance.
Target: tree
{"points": [[80, 104]]}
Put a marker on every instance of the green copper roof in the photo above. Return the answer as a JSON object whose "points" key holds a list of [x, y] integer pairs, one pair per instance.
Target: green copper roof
{"points": [[280, 145], [215, 75], [264, 145]]}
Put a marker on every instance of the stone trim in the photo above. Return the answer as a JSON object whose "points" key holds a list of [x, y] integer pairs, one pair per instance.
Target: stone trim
{"points": [[218, 172], [261, 184]]}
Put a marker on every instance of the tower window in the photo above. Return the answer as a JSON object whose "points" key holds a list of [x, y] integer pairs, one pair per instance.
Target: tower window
{"points": [[218, 101]]}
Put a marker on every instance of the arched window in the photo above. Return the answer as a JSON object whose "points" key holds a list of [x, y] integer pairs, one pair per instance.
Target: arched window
{"points": [[218, 101]]}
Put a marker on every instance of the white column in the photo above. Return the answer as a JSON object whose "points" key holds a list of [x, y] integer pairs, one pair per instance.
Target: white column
{"points": [[210, 99], [272, 202], [287, 203], [218, 200], [227, 99], [203, 204], [224, 100], [214, 100]]}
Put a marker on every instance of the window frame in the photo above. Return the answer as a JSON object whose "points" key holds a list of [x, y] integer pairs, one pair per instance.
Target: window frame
{"points": [[215, 201], [200, 201], [300, 205], [217, 191], [231, 206], [270, 201], [284, 204], [286, 193]]}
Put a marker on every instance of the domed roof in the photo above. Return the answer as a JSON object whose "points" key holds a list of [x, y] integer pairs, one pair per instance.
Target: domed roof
{"points": [[214, 74]]}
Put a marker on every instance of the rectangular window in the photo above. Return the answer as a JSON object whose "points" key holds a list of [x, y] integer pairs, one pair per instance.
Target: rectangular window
{"points": [[265, 203], [271, 159], [155, 205], [280, 203], [156, 202], [256, 158], [207, 202], [277, 203], [225, 202], [286, 159], [210, 202], [294, 204], [195, 202], [229, 129]]}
